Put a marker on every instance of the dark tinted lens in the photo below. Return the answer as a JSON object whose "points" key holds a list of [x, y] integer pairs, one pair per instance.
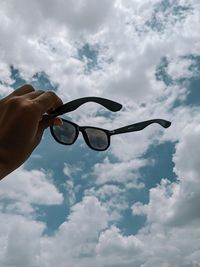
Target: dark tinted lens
{"points": [[65, 133], [98, 139]]}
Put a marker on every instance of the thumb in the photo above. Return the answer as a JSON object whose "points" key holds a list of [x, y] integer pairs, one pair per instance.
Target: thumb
{"points": [[44, 124], [49, 121]]}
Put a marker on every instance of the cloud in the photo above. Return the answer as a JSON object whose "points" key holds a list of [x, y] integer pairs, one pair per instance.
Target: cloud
{"points": [[22, 189], [23, 243], [20, 240], [179, 199], [87, 15], [172, 212], [117, 172], [127, 64], [5, 90], [77, 236], [113, 199], [115, 248]]}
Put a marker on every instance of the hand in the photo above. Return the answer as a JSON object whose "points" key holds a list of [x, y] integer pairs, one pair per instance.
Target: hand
{"points": [[22, 123]]}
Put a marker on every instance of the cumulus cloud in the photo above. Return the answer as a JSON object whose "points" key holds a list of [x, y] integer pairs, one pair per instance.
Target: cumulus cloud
{"points": [[172, 212], [118, 249], [119, 172], [20, 240], [21, 189], [129, 61], [177, 203], [76, 238], [113, 199]]}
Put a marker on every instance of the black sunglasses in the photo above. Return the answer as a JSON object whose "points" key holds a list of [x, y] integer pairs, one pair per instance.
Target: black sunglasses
{"points": [[96, 138]]}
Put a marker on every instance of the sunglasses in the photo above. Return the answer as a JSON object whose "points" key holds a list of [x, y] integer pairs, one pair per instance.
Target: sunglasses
{"points": [[96, 138]]}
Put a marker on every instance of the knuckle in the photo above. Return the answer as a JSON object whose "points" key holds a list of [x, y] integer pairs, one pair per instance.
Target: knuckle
{"points": [[29, 87], [17, 104], [57, 101], [13, 102], [25, 106], [51, 94], [21, 109], [36, 107], [29, 110]]}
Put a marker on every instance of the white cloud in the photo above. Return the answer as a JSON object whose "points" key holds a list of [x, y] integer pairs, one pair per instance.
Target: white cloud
{"points": [[5, 90], [117, 249], [105, 191], [118, 172], [52, 48], [87, 15], [70, 170], [67, 170], [76, 238], [177, 203], [20, 241], [172, 226], [180, 68], [23, 188], [88, 217], [112, 197], [71, 191]]}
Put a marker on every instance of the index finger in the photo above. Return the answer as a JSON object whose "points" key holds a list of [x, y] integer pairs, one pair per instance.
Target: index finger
{"points": [[48, 101], [23, 90]]}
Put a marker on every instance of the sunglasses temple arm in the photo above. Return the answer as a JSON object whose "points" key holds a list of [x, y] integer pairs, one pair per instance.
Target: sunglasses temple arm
{"points": [[73, 105], [140, 126]]}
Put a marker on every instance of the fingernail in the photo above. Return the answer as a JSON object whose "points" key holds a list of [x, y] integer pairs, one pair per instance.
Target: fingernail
{"points": [[58, 121]]}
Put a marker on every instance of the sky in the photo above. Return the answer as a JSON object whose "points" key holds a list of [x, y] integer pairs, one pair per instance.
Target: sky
{"points": [[136, 204]]}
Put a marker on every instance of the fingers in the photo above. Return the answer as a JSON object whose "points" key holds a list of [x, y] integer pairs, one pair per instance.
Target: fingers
{"points": [[48, 101], [37, 93], [34, 94], [27, 88]]}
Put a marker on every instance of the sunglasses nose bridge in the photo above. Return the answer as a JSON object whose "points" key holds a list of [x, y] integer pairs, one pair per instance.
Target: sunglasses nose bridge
{"points": [[77, 132], [84, 134], [86, 138]]}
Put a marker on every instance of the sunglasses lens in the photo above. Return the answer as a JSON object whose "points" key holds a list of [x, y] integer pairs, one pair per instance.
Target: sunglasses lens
{"points": [[98, 139], [65, 133]]}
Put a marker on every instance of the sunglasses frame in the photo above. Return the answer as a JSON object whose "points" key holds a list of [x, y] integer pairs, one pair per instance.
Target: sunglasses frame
{"points": [[74, 104], [110, 105], [85, 136], [129, 128]]}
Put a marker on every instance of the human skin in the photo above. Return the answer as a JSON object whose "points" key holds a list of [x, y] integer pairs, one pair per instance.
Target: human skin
{"points": [[22, 124]]}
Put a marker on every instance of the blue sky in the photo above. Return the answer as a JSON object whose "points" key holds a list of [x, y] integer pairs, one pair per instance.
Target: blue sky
{"points": [[135, 204]]}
